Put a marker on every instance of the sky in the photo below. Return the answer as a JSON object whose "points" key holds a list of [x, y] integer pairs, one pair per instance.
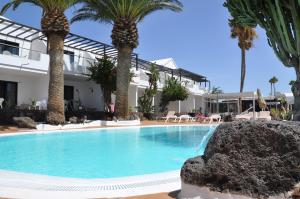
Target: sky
{"points": [[198, 39]]}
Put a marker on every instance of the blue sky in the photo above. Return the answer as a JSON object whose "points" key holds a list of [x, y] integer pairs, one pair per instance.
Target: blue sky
{"points": [[197, 38]]}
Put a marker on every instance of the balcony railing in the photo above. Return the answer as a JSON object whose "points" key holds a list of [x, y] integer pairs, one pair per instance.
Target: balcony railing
{"points": [[77, 64]]}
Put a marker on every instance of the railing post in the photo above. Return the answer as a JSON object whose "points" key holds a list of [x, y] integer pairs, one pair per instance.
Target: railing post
{"points": [[136, 62]]}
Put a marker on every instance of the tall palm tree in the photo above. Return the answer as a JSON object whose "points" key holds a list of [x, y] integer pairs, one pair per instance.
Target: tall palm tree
{"points": [[55, 27], [245, 35], [124, 15], [273, 81], [271, 84]]}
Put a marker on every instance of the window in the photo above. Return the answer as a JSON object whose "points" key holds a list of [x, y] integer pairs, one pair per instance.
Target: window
{"points": [[71, 55], [9, 92], [8, 47]]}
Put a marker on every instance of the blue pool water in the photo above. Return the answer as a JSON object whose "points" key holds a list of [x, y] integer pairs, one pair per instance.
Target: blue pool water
{"points": [[104, 153]]}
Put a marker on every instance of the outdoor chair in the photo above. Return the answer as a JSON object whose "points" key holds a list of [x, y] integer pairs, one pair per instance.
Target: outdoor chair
{"points": [[216, 117], [170, 115], [201, 118], [186, 118], [245, 116]]}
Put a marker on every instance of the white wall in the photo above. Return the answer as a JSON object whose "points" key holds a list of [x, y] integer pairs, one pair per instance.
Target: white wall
{"points": [[174, 106], [132, 97], [29, 86], [187, 105], [90, 93]]}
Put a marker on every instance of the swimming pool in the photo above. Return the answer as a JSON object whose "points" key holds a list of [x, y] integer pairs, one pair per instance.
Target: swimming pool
{"points": [[104, 153]]}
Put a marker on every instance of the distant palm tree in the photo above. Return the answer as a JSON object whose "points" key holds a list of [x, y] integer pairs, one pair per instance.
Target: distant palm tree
{"points": [[55, 27], [245, 35], [216, 90], [124, 15], [273, 81]]}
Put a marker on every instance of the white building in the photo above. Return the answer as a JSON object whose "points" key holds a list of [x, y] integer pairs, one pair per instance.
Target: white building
{"points": [[24, 67]]}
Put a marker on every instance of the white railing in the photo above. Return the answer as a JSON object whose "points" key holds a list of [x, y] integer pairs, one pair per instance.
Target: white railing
{"points": [[24, 58]]}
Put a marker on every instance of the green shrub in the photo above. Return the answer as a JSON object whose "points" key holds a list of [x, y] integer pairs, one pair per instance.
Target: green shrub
{"points": [[145, 102], [173, 91]]}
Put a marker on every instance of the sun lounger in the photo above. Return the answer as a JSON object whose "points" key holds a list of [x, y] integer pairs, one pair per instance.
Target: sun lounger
{"points": [[216, 117], [245, 116], [170, 115], [185, 117]]}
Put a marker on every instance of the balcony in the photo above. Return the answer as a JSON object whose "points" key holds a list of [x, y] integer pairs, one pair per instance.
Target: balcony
{"points": [[12, 57]]}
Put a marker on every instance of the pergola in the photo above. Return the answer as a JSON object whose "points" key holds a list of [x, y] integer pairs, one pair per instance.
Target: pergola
{"points": [[232, 97], [26, 33]]}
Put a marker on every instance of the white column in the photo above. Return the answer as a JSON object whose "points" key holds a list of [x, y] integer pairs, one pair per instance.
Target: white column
{"points": [[194, 102], [136, 97], [179, 106], [153, 102]]}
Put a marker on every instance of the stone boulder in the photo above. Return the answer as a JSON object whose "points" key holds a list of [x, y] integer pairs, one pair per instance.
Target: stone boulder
{"points": [[256, 159], [25, 122]]}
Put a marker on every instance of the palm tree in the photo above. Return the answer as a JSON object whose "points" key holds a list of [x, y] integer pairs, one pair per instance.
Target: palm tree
{"points": [[216, 90], [245, 35], [124, 15], [55, 27], [271, 84], [273, 81]]}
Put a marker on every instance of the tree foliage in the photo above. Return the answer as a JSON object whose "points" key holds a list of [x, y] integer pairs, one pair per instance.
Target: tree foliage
{"points": [[173, 91], [281, 21], [216, 90], [103, 72], [124, 15], [145, 102]]}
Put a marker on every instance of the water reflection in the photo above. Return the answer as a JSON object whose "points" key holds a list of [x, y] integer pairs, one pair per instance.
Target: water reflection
{"points": [[184, 137]]}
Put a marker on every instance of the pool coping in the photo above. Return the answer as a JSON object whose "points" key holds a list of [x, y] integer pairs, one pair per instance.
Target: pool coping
{"points": [[17, 184]]}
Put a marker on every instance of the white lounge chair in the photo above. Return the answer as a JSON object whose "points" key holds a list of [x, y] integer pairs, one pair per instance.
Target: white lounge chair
{"points": [[1, 102], [264, 115], [185, 117], [244, 116], [170, 115], [216, 117]]}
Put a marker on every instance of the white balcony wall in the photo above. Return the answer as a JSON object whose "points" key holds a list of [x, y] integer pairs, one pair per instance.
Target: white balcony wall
{"points": [[24, 63]]}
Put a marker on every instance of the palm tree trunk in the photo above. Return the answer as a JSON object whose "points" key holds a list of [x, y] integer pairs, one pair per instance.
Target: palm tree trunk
{"points": [[274, 89], [296, 92], [56, 114], [243, 70], [123, 70], [243, 75], [271, 89], [107, 96]]}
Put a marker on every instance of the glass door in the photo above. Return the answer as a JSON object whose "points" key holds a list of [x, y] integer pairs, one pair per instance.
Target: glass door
{"points": [[9, 92]]}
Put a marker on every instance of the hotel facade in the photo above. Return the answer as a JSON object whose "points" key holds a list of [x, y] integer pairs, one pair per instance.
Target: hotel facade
{"points": [[24, 72]]}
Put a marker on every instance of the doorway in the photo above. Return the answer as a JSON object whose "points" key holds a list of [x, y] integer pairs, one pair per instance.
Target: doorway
{"points": [[9, 92]]}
